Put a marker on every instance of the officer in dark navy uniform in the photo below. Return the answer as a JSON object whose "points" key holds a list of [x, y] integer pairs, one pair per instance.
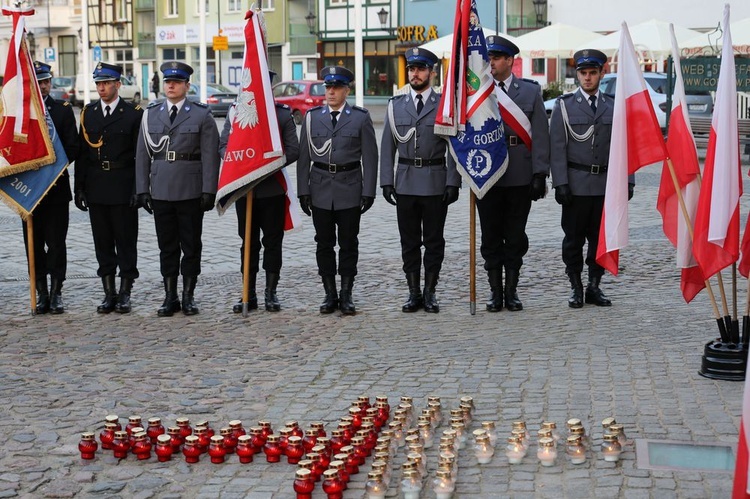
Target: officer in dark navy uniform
{"points": [[580, 132], [105, 184], [337, 174], [504, 210], [177, 171], [52, 214], [269, 212], [425, 180]]}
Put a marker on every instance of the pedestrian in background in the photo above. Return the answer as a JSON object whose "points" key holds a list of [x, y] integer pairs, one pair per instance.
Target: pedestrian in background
{"points": [[155, 85], [105, 185], [337, 175], [425, 180], [177, 171]]}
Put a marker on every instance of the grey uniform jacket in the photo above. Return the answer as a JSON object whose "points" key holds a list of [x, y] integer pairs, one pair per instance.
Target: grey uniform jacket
{"points": [[594, 151], [193, 132], [522, 163], [269, 187], [353, 140], [412, 179]]}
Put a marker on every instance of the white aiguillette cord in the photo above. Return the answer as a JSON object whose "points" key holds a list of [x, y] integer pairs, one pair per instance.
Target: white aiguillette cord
{"points": [[400, 138], [577, 137], [153, 147], [321, 151]]}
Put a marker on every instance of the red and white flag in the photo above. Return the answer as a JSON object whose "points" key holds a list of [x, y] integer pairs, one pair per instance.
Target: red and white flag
{"points": [[717, 220], [636, 141], [25, 143], [254, 149], [741, 488], [684, 156], [514, 117]]}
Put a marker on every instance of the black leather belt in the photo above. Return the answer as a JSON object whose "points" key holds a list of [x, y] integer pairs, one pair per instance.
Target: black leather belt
{"points": [[333, 167], [592, 169], [177, 156], [419, 162], [113, 165]]}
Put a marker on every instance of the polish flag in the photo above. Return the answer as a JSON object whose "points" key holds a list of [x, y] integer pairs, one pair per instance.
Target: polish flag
{"points": [[741, 468], [682, 151], [636, 142], [717, 221]]}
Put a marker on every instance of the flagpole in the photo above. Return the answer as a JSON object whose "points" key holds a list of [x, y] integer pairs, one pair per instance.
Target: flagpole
{"points": [[746, 318], [32, 269], [734, 333], [719, 321], [472, 253], [246, 255]]}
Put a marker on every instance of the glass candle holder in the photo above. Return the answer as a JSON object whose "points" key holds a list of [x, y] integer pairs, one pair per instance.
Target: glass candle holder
{"points": [[332, 484], [154, 429], [375, 488], [230, 441], [88, 445], [133, 422], [552, 426], [190, 449], [483, 449], [244, 449], [176, 438], [521, 426], [272, 449], [296, 430], [352, 461], [216, 449], [310, 439], [320, 427], [294, 450], [575, 449], [184, 425], [543, 433], [443, 484], [284, 435], [384, 468], [411, 485], [114, 419], [142, 446], [580, 431], [546, 451], [163, 448], [572, 422], [611, 448], [266, 427], [323, 457], [304, 484], [340, 467], [203, 439], [607, 422], [489, 428], [107, 435], [121, 444], [204, 424], [515, 450], [619, 430], [258, 440], [426, 433]]}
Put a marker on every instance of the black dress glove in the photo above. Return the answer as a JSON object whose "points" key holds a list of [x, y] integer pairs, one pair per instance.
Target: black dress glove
{"points": [[133, 202], [538, 187], [144, 200], [208, 201], [563, 196], [631, 190], [389, 193], [365, 203], [80, 201], [450, 195], [305, 202]]}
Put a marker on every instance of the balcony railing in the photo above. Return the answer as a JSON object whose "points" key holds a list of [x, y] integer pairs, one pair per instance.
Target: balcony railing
{"points": [[301, 42], [144, 4]]}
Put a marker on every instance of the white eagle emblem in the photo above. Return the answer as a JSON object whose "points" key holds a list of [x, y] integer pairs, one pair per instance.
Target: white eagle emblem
{"points": [[247, 109]]}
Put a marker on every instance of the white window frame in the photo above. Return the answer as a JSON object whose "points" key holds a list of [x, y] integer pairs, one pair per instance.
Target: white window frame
{"points": [[197, 7], [267, 5], [234, 5], [173, 8]]}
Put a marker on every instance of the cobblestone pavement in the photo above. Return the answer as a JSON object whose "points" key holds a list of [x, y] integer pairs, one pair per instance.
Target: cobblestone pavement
{"points": [[637, 361]]}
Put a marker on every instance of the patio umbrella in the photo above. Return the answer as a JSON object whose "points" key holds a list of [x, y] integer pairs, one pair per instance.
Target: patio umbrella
{"points": [[555, 40], [650, 36], [443, 46], [712, 44]]}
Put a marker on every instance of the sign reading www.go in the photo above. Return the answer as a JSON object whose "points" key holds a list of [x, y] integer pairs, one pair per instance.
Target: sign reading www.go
{"points": [[702, 73]]}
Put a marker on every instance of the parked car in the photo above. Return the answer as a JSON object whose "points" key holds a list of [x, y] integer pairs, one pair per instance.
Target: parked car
{"points": [[63, 88], [300, 95], [218, 97], [699, 103], [129, 91]]}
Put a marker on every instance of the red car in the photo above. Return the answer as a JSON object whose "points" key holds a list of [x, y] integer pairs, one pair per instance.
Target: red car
{"points": [[300, 95]]}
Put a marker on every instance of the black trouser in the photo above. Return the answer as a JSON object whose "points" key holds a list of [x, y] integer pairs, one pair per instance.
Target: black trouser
{"points": [[580, 222], [421, 220], [115, 231], [326, 222], [503, 213], [179, 225], [50, 230], [268, 216]]}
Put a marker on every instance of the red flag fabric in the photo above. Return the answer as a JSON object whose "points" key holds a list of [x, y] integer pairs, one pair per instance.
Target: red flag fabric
{"points": [[684, 156], [717, 221], [741, 488], [25, 142], [254, 150], [636, 141]]}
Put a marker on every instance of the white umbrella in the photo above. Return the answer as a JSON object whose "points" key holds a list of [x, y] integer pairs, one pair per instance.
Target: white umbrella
{"points": [[740, 39], [443, 46], [555, 40], [650, 36]]}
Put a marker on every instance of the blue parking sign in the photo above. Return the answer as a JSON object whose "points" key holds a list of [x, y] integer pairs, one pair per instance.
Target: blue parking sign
{"points": [[97, 53], [49, 54]]}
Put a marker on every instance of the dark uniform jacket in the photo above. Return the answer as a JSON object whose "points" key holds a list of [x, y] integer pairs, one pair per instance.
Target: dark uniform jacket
{"points": [[193, 135], [107, 174], [65, 125], [269, 187], [413, 179], [522, 163], [352, 141]]}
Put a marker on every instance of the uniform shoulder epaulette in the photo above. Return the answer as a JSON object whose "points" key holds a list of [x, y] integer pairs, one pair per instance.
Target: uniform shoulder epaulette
{"points": [[282, 106], [66, 103], [153, 104], [360, 109], [396, 97], [315, 108], [201, 104], [530, 81], [567, 96], [137, 107]]}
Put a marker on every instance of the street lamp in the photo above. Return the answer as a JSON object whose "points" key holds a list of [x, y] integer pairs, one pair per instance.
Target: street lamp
{"points": [[310, 20], [383, 18], [119, 27], [539, 7]]}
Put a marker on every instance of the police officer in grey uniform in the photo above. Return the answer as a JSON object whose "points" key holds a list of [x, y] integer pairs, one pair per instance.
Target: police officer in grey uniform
{"points": [[105, 184], [177, 170], [269, 211], [337, 174], [504, 210], [425, 181], [580, 131]]}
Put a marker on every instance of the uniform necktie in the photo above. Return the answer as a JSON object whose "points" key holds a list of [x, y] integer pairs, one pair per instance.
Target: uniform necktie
{"points": [[106, 111], [592, 100], [502, 86], [420, 104], [334, 118], [173, 114]]}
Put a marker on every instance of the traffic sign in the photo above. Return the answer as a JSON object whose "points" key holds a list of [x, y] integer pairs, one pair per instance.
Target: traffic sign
{"points": [[97, 53], [221, 43], [49, 54]]}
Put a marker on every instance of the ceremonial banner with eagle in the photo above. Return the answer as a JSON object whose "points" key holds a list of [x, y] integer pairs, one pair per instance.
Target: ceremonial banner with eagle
{"points": [[25, 143], [254, 150]]}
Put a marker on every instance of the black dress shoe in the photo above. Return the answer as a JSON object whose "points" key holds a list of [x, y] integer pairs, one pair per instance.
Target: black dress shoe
{"points": [[252, 304], [594, 294], [576, 291]]}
